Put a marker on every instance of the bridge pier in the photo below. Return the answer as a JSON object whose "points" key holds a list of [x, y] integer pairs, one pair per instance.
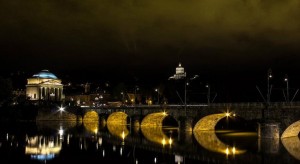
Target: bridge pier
{"points": [[269, 130], [269, 134]]}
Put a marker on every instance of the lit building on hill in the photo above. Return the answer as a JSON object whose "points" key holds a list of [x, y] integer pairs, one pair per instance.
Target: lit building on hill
{"points": [[180, 74], [44, 86]]}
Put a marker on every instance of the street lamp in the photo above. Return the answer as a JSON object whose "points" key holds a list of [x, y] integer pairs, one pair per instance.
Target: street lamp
{"points": [[122, 93], [208, 93], [157, 90], [287, 88], [269, 89], [186, 83]]}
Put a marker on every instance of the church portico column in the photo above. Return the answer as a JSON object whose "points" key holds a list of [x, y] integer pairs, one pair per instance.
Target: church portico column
{"points": [[40, 93], [56, 94], [61, 93], [48, 93]]}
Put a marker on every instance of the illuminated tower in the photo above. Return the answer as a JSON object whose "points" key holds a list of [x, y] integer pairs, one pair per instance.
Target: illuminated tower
{"points": [[44, 86], [180, 74]]}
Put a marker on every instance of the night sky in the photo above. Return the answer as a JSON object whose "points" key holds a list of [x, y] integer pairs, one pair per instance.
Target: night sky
{"points": [[232, 42]]}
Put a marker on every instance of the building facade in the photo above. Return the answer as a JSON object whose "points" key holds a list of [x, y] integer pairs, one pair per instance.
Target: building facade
{"points": [[44, 86], [179, 74]]}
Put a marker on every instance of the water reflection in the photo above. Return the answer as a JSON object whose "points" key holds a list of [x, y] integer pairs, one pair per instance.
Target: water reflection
{"points": [[292, 145], [120, 131], [62, 141], [210, 141], [155, 134], [43, 147]]}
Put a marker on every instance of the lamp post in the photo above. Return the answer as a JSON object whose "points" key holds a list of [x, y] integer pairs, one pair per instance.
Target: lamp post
{"points": [[287, 88], [122, 93], [157, 90], [269, 89], [208, 93], [185, 84]]}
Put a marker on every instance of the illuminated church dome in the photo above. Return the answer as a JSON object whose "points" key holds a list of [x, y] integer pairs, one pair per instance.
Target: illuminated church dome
{"points": [[44, 86], [45, 74]]}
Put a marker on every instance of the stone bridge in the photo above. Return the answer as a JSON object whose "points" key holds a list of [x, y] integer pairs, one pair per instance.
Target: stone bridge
{"points": [[278, 119]]}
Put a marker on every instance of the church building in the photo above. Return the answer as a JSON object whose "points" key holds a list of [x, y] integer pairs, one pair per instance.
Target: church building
{"points": [[44, 86]]}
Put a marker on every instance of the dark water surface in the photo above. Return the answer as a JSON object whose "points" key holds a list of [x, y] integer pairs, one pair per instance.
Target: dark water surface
{"points": [[72, 142]]}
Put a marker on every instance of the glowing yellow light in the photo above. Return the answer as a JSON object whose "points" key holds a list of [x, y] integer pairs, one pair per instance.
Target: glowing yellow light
{"points": [[163, 141], [227, 114], [123, 135], [227, 151], [233, 150], [170, 141], [132, 100], [91, 121], [165, 113], [234, 115]]}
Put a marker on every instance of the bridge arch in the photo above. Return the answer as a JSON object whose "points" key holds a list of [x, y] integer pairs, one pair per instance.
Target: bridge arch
{"points": [[204, 132], [292, 131], [152, 128], [290, 139], [117, 118], [209, 122], [155, 119], [117, 124], [91, 121]]}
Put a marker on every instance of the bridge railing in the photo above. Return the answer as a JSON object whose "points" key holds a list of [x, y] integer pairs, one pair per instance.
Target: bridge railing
{"points": [[211, 105]]}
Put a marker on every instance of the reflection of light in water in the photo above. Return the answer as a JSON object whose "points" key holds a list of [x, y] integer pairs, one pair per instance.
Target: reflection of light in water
{"points": [[123, 135], [120, 131], [227, 151], [163, 141], [155, 134], [42, 148], [204, 132], [151, 128], [117, 125], [100, 141], [114, 148], [292, 145], [210, 141], [68, 139], [121, 151], [91, 122], [61, 132], [178, 159], [42, 157], [170, 141], [103, 153]]}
